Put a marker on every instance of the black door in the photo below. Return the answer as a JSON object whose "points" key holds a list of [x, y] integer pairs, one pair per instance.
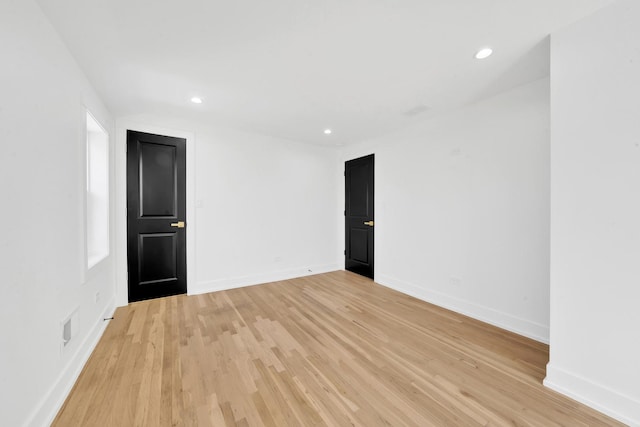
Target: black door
{"points": [[156, 210], [358, 214]]}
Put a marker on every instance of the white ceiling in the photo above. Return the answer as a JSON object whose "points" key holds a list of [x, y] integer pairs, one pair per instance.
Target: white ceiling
{"points": [[291, 68]]}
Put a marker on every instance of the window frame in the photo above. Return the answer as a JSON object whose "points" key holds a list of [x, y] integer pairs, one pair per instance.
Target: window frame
{"points": [[96, 200]]}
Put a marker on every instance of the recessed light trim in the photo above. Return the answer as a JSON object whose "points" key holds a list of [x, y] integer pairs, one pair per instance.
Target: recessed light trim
{"points": [[327, 131], [196, 100], [483, 53]]}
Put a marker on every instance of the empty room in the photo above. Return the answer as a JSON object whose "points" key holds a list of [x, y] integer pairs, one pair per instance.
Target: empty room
{"points": [[331, 213]]}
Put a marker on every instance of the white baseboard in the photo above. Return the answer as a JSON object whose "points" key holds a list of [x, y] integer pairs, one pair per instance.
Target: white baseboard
{"points": [[48, 407], [240, 282], [601, 398], [489, 315]]}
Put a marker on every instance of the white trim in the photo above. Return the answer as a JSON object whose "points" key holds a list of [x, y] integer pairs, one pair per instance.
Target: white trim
{"points": [[276, 276], [48, 407], [91, 262], [489, 315], [597, 396], [121, 201]]}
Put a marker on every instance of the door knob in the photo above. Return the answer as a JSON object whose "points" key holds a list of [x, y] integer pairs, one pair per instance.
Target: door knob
{"points": [[369, 223], [179, 224]]}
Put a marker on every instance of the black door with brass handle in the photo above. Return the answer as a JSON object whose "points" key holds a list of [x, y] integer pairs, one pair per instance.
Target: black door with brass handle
{"points": [[359, 224], [156, 210]]}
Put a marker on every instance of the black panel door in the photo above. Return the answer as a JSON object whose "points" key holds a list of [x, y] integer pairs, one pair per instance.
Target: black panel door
{"points": [[156, 211], [358, 214]]}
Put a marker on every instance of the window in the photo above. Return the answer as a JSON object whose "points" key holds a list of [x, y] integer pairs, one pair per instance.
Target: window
{"points": [[97, 192]]}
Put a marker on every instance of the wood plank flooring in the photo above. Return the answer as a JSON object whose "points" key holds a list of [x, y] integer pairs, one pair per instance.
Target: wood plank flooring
{"points": [[329, 350]]}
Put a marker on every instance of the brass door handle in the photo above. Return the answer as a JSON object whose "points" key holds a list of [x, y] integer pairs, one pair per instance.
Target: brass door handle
{"points": [[179, 224], [369, 223]]}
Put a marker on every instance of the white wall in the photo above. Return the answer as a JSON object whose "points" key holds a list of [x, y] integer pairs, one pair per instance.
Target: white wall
{"points": [[266, 209], [263, 208], [462, 210], [595, 211], [43, 95]]}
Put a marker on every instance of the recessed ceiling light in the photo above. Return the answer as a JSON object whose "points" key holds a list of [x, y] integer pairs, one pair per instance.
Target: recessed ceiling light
{"points": [[196, 100], [484, 53], [327, 131]]}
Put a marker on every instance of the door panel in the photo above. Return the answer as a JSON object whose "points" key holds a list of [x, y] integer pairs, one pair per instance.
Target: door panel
{"points": [[156, 206], [358, 186], [360, 245], [157, 254], [158, 196], [359, 224]]}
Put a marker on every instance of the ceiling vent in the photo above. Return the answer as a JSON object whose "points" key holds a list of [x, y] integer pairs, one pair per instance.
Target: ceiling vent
{"points": [[416, 110]]}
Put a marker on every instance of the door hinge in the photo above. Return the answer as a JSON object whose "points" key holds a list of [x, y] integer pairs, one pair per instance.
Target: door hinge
{"points": [[345, 252], [345, 212], [344, 173]]}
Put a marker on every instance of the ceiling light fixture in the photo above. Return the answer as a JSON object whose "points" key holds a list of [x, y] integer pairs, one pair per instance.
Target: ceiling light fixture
{"points": [[484, 53], [327, 131], [196, 100]]}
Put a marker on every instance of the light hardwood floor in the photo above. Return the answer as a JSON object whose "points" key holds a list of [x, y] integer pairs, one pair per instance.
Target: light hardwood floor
{"points": [[334, 349]]}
